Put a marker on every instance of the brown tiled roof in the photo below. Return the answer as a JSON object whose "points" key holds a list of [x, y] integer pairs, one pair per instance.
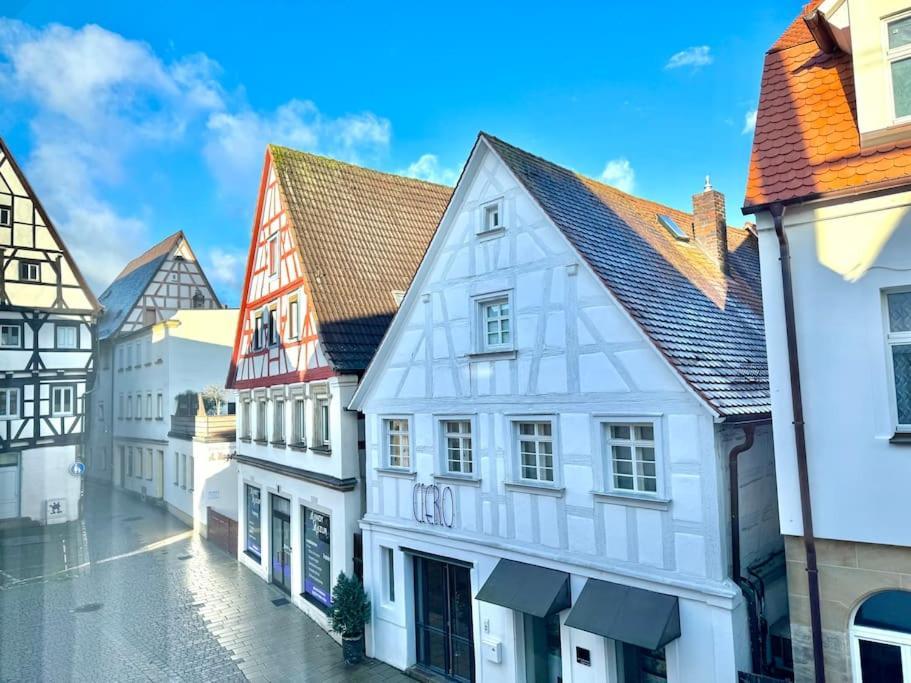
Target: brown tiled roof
{"points": [[806, 142], [163, 248], [361, 235], [707, 324]]}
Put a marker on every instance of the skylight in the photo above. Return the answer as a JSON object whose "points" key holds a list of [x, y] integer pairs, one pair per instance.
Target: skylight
{"points": [[673, 228]]}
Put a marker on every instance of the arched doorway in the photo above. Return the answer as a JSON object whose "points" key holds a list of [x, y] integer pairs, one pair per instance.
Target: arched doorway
{"points": [[881, 638]]}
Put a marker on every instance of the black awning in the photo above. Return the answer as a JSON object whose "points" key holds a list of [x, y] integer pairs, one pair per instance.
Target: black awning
{"points": [[526, 588], [631, 615]]}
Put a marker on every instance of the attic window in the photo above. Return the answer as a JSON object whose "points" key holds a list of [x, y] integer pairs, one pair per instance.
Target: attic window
{"points": [[491, 218], [199, 299], [5, 216], [673, 228], [898, 55]]}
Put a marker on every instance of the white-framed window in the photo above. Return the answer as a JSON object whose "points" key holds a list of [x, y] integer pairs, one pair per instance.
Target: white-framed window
{"points": [[273, 255], [66, 336], [183, 470], [6, 216], [278, 421], [258, 330], [147, 468], [129, 407], [491, 217], [120, 407], [273, 326], [191, 476], [129, 460], [880, 635], [261, 420], [245, 427], [898, 341], [397, 442], [149, 406], [321, 421], [458, 455], [138, 354], [300, 415], [159, 410], [898, 59], [10, 336], [63, 400], [535, 448], [176, 469], [9, 403], [494, 322], [630, 453], [388, 574], [293, 318], [138, 463], [29, 271]]}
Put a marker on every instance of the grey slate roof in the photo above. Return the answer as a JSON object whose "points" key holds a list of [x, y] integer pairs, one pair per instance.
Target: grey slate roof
{"points": [[708, 325], [361, 235], [123, 293]]}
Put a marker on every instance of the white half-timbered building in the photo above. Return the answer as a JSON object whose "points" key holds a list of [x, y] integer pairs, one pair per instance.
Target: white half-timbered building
{"points": [[150, 289], [550, 424], [333, 248], [47, 328]]}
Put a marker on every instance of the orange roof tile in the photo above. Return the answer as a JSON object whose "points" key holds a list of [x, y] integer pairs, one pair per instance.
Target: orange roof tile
{"points": [[806, 143]]}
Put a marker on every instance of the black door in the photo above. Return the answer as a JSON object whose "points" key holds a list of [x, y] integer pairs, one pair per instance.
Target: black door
{"points": [[445, 636], [281, 543]]}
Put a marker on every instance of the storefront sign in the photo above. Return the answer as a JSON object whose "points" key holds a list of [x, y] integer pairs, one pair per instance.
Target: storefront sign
{"points": [[317, 569], [433, 504]]}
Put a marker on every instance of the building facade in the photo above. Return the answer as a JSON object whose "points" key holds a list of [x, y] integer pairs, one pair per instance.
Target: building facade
{"points": [[47, 342], [333, 248], [150, 289], [549, 423], [830, 187]]}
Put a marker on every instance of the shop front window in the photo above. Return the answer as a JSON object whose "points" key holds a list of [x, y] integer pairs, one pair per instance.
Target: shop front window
{"points": [[254, 524], [543, 660], [640, 665], [317, 570]]}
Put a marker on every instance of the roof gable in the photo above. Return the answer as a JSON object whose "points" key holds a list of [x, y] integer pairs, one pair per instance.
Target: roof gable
{"points": [[361, 235], [707, 325]]}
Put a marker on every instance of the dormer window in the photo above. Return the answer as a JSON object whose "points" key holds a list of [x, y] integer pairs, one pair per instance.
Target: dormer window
{"points": [[491, 217], [6, 216], [898, 55]]}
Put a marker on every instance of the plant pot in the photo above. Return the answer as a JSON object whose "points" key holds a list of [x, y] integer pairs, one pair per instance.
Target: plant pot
{"points": [[353, 649]]}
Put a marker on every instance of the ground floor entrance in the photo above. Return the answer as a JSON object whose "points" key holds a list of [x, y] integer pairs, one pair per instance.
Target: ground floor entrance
{"points": [[445, 634], [281, 542], [9, 485]]}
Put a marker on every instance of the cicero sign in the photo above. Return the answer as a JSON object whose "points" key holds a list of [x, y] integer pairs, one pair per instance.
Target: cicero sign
{"points": [[433, 504]]}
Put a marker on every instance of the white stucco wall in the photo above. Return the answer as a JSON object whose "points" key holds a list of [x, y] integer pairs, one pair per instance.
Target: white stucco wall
{"points": [[843, 255]]}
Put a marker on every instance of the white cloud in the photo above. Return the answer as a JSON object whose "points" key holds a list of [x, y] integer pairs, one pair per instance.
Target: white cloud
{"points": [[428, 168], [620, 174], [236, 141], [695, 57], [749, 122], [98, 98], [226, 267]]}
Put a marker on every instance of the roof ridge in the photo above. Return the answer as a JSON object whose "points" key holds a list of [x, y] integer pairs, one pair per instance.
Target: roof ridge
{"points": [[322, 158], [137, 261]]}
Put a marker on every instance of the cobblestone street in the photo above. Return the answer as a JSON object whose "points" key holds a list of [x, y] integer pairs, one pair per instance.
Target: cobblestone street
{"points": [[130, 594]]}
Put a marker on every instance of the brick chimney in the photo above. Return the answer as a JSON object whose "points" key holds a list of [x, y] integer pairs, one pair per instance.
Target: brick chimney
{"points": [[710, 224]]}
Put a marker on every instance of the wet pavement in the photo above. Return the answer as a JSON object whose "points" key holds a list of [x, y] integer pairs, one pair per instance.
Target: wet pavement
{"points": [[129, 593]]}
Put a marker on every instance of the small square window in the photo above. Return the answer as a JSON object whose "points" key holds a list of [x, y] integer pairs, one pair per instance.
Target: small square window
{"points": [[62, 401], [66, 337], [10, 337], [30, 271], [6, 216], [9, 403], [491, 217], [398, 451]]}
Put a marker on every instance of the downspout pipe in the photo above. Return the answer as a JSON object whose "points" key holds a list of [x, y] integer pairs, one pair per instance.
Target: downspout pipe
{"points": [[756, 645], [800, 443]]}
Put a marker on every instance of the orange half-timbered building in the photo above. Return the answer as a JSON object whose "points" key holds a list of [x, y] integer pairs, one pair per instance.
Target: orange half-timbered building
{"points": [[333, 249]]}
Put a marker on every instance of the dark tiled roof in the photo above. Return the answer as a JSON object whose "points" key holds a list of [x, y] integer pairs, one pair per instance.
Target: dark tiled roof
{"points": [[806, 141], [361, 235], [709, 326], [121, 295]]}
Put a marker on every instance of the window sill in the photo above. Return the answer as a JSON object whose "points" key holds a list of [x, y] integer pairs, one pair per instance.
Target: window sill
{"points": [[278, 444], [506, 354], [457, 479], [321, 450], [397, 472], [540, 489], [245, 439], [901, 438], [253, 556], [297, 446], [492, 233], [261, 442], [632, 499]]}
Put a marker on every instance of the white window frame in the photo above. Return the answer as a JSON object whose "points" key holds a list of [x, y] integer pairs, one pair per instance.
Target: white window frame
{"points": [[191, 473], [148, 414], [11, 326], [159, 406], [63, 389], [25, 270], [6, 215], [607, 442], [485, 210], [443, 442], [894, 339], [274, 333], [147, 470], [258, 326], [246, 418], [388, 555], [274, 255], [16, 403], [68, 329], [183, 471], [481, 302], [129, 406], [262, 432], [299, 420], [120, 408], [278, 420], [515, 426], [176, 469], [293, 326], [387, 433], [890, 57], [322, 418], [901, 640]]}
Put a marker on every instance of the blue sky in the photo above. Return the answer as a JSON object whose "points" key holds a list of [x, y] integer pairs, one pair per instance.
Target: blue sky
{"points": [[133, 125]]}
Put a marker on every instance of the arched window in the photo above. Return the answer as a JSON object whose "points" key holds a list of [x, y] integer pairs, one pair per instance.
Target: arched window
{"points": [[881, 638]]}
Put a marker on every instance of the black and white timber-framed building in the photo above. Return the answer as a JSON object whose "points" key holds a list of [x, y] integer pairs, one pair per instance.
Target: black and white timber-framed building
{"points": [[47, 341]]}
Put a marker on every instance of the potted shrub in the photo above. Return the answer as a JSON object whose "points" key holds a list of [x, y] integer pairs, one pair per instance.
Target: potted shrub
{"points": [[349, 612]]}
